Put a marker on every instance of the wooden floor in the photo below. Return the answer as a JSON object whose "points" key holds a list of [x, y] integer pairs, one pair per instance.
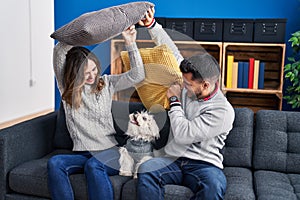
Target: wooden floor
{"points": [[21, 119]]}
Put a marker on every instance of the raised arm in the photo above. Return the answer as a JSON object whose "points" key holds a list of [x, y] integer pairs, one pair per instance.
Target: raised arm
{"points": [[59, 59], [158, 34], [137, 73]]}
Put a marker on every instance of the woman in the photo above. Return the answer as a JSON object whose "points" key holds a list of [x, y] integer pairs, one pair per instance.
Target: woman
{"points": [[87, 100]]}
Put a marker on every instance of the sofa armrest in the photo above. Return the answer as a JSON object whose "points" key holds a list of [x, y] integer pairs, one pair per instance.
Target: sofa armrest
{"points": [[25, 141]]}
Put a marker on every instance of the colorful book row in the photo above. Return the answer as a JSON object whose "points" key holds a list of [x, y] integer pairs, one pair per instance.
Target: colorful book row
{"points": [[244, 74]]}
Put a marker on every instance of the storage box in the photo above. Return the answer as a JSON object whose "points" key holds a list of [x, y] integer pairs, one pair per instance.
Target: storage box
{"points": [[269, 30], [161, 21], [180, 25], [238, 30], [208, 29]]}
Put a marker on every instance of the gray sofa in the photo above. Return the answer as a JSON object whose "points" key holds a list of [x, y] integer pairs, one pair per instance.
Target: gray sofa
{"points": [[261, 157]]}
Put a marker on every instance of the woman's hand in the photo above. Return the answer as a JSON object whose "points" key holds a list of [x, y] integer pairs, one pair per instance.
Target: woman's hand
{"points": [[129, 35], [149, 17]]}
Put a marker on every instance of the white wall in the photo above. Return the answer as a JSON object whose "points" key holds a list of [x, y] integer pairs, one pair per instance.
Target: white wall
{"points": [[26, 56]]}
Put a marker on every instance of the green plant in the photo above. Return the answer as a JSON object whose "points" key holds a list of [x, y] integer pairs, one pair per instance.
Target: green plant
{"points": [[292, 72]]}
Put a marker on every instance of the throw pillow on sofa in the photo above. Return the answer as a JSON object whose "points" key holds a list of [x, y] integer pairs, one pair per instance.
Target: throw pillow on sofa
{"points": [[98, 26]]}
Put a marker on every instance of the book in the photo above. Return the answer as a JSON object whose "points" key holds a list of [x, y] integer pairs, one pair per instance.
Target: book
{"points": [[234, 74], [255, 74], [240, 74], [251, 73], [261, 75], [230, 59], [245, 74]]}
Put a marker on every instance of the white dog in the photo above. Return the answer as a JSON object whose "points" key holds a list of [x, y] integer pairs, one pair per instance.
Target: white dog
{"points": [[142, 130]]}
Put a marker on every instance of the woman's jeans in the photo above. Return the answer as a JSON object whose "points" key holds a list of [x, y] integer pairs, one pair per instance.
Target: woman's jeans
{"points": [[204, 179], [97, 169]]}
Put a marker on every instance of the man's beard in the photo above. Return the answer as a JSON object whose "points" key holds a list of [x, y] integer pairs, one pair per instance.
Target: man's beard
{"points": [[194, 95]]}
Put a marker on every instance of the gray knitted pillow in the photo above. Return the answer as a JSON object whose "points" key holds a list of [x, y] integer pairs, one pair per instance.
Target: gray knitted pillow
{"points": [[98, 26]]}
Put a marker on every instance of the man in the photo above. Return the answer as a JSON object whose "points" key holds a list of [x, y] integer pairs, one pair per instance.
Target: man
{"points": [[201, 118]]}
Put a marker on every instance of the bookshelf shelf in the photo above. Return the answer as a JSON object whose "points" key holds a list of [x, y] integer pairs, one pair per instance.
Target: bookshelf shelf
{"points": [[257, 91], [270, 95]]}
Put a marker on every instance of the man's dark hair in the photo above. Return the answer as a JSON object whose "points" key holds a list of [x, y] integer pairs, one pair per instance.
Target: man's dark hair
{"points": [[203, 67]]}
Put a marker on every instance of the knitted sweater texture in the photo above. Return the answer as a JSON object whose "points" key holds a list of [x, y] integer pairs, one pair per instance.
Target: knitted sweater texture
{"points": [[91, 125]]}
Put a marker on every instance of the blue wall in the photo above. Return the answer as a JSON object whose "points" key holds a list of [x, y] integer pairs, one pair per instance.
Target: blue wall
{"points": [[67, 10]]}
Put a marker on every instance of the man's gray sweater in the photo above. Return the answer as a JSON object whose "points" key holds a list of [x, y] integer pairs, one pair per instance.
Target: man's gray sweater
{"points": [[198, 127]]}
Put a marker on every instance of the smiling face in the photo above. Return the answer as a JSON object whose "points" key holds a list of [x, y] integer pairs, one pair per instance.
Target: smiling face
{"points": [[90, 72]]}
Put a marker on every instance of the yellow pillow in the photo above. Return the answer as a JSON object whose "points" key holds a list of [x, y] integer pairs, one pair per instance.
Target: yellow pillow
{"points": [[161, 70]]}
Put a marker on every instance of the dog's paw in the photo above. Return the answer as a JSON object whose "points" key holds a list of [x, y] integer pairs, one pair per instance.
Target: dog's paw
{"points": [[123, 150], [135, 175], [125, 173]]}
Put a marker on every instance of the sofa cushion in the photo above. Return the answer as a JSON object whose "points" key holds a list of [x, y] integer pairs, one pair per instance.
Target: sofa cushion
{"points": [[98, 26], [62, 139], [276, 141], [31, 178], [78, 182], [15, 196], [276, 185], [238, 145], [172, 192], [239, 184], [239, 187]]}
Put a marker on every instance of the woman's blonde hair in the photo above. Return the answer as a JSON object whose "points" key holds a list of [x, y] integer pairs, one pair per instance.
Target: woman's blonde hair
{"points": [[73, 77]]}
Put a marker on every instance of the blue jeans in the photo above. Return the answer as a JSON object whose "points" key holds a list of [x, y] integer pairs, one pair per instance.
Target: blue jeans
{"points": [[97, 169], [204, 179]]}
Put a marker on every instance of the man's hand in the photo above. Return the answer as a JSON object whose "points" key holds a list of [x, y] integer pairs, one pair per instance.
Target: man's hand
{"points": [[149, 17], [129, 35], [174, 90]]}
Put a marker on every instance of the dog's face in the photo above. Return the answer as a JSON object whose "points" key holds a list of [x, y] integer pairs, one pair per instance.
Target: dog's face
{"points": [[142, 126]]}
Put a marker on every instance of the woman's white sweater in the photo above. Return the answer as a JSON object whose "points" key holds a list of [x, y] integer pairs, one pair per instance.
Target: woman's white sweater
{"points": [[91, 125]]}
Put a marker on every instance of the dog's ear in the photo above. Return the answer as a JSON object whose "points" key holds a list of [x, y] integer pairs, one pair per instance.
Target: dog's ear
{"points": [[154, 128]]}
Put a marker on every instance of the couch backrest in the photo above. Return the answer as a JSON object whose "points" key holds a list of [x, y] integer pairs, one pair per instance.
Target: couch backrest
{"points": [[277, 141], [120, 110], [238, 145], [62, 139]]}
